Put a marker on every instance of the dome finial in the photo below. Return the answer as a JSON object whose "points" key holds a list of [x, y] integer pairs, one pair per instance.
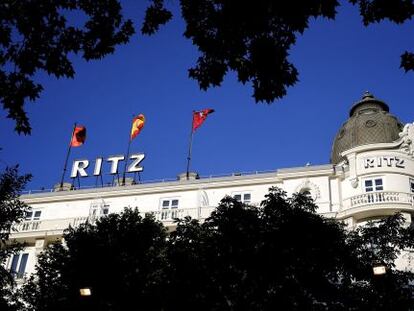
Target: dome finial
{"points": [[367, 95]]}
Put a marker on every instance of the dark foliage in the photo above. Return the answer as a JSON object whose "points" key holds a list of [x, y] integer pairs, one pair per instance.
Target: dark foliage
{"points": [[250, 38], [120, 258], [396, 11], [12, 211], [253, 39], [155, 16], [380, 243], [279, 256], [37, 35]]}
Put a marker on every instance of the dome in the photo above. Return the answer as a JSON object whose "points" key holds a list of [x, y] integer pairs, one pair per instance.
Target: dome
{"points": [[369, 123]]}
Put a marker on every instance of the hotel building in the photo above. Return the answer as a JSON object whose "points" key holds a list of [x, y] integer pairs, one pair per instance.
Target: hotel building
{"points": [[370, 175]]}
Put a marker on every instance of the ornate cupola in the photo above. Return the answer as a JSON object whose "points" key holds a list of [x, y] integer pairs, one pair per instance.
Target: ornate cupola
{"points": [[369, 123]]}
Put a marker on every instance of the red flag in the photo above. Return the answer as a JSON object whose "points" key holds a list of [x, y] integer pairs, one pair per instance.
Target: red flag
{"points": [[199, 117], [137, 125], [79, 136]]}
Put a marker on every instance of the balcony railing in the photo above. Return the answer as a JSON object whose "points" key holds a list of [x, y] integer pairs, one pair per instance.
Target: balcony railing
{"points": [[383, 197], [169, 215], [166, 216], [49, 225], [19, 275]]}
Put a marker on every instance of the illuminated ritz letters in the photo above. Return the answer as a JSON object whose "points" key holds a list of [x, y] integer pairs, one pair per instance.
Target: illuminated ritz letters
{"points": [[383, 161], [79, 166]]}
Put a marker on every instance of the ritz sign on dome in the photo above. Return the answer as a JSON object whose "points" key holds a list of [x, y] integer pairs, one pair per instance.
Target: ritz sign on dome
{"points": [[79, 167]]}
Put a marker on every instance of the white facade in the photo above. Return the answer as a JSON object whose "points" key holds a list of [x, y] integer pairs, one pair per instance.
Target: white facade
{"points": [[370, 182]]}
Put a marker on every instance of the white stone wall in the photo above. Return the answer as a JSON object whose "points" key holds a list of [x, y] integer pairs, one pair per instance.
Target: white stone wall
{"points": [[338, 191]]}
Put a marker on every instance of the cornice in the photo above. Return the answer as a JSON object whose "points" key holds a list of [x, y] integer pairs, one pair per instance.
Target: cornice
{"points": [[163, 187], [307, 171]]}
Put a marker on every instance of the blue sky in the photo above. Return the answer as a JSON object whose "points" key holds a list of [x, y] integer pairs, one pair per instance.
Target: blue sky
{"points": [[337, 61]]}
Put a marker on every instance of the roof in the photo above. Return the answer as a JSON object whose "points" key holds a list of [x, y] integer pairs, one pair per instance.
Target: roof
{"points": [[369, 123]]}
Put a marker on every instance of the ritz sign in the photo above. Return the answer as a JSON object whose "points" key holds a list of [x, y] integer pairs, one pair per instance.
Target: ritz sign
{"points": [[383, 161], [79, 167]]}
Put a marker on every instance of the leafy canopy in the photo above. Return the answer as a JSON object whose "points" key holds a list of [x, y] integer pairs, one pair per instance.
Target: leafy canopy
{"points": [[35, 35], [12, 211], [281, 255], [251, 38], [120, 258]]}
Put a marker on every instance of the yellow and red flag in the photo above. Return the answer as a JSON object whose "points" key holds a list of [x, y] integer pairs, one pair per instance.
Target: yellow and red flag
{"points": [[199, 117], [79, 136], [137, 125]]}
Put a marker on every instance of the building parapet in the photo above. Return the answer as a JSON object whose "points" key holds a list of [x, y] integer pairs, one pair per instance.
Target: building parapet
{"points": [[151, 184]]}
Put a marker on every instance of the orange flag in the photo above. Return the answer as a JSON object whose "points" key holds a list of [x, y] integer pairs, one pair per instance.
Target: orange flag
{"points": [[79, 136], [137, 125]]}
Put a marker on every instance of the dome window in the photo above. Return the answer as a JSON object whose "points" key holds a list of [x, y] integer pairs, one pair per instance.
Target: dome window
{"points": [[370, 123]]}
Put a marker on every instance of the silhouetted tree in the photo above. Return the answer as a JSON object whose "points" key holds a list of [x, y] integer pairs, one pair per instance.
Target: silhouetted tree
{"points": [[251, 38], [381, 243], [35, 35], [285, 256], [12, 211], [279, 256], [120, 258]]}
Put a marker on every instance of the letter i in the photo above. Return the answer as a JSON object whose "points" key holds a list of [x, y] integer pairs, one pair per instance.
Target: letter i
{"points": [[98, 167]]}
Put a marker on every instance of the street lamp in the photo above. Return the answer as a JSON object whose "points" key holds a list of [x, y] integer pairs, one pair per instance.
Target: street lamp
{"points": [[379, 269], [85, 291]]}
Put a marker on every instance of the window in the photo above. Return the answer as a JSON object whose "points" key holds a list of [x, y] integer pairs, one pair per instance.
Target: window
{"points": [[98, 208], [18, 265], [169, 209], [305, 191], [412, 185], [105, 209], [373, 185], [32, 215], [28, 216], [167, 204], [244, 197], [36, 215]]}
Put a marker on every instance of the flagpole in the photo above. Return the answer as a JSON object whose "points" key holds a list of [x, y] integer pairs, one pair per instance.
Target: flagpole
{"points": [[126, 163], [190, 148], [127, 157], [67, 157]]}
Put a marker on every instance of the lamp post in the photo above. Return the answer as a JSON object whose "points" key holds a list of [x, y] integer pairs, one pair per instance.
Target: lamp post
{"points": [[86, 291], [379, 269], [85, 299]]}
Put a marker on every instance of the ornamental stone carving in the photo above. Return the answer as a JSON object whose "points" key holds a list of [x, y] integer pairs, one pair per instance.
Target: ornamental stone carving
{"points": [[407, 137], [307, 185], [354, 182], [203, 199]]}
